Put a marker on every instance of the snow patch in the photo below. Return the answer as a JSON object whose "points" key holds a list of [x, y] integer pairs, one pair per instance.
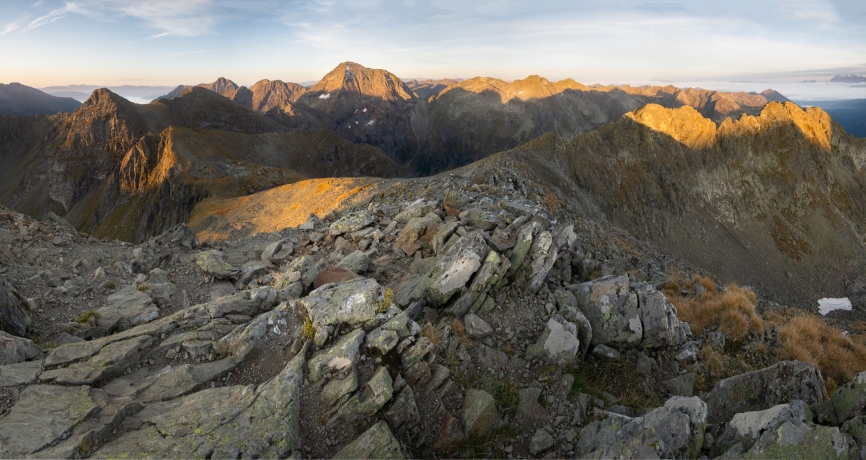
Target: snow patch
{"points": [[827, 305], [365, 110], [370, 123], [325, 96]]}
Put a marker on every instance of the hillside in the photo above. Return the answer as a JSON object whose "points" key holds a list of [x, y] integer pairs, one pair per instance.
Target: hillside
{"points": [[20, 100]]}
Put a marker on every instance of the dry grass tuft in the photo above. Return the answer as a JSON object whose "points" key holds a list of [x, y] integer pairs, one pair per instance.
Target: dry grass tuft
{"points": [[458, 327], [808, 338], [429, 332], [732, 311], [88, 317]]}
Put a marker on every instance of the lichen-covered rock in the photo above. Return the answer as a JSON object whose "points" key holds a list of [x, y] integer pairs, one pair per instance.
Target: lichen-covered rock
{"points": [[338, 356], [611, 310], [250, 303], [252, 270], [334, 391], [376, 393], [355, 302], [212, 263], [42, 416], [661, 327], [243, 339], [476, 328], [792, 440], [112, 359], [377, 442], [847, 402], [306, 269], [747, 427], [558, 344], [675, 430], [479, 413], [456, 267], [522, 245], [21, 373], [780, 383], [271, 251], [449, 435], [541, 441], [356, 262], [17, 349], [442, 235], [14, 318], [168, 383], [403, 413], [417, 227], [488, 277], [126, 308], [418, 208], [352, 222]]}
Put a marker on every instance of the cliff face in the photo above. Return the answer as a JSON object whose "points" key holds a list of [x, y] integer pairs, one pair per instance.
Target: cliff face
{"points": [[774, 200]]}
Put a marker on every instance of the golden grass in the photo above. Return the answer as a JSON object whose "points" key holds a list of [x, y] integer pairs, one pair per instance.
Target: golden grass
{"points": [[809, 339], [429, 332], [88, 317], [732, 311]]}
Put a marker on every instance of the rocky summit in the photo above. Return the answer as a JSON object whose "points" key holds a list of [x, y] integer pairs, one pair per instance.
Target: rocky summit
{"points": [[593, 272]]}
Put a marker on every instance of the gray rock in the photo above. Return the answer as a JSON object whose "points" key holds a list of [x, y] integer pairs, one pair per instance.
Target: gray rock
{"points": [[277, 251], [611, 310], [847, 402], [479, 413], [558, 343], [605, 352], [442, 235], [415, 228], [780, 383], [644, 364], [661, 327], [252, 270], [522, 246], [356, 262], [168, 383], [488, 277], [528, 407], [491, 358], [476, 328], [339, 356], [250, 302], [681, 385], [541, 441], [17, 349], [449, 435], [164, 295], [377, 392], [126, 308], [403, 413], [20, 373], [456, 267], [355, 302], [417, 209], [339, 387], [180, 235], [42, 416], [221, 289], [747, 427], [352, 222], [674, 430], [111, 359], [243, 339], [382, 340], [212, 263], [306, 267], [14, 318], [793, 440], [376, 442]]}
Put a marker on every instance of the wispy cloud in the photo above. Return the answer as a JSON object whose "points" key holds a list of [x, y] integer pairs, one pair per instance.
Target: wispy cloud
{"points": [[9, 28], [54, 15], [189, 52]]}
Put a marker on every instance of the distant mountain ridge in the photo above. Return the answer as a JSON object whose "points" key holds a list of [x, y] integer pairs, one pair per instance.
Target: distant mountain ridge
{"points": [[21, 100], [853, 78]]}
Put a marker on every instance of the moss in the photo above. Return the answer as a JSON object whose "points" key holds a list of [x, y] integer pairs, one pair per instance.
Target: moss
{"points": [[309, 331], [387, 300], [88, 317]]}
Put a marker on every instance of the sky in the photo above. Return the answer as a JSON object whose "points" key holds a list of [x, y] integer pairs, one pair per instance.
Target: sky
{"points": [[171, 42]]}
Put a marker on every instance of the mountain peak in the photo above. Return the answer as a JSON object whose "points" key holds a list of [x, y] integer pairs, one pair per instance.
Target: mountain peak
{"points": [[222, 85], [352, 77]]}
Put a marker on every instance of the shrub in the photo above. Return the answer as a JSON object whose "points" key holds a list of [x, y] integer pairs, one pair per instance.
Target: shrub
{"points": [[88, 317], [809, 339], [732, 311], [309, 331]]}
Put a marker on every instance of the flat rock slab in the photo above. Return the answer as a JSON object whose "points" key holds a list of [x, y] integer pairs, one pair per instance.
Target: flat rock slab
{"points": [[126, 308], [112, 359], [212, 263], [42, 416], [355, 302], [19, 373], [169, 383], [376, 442]]}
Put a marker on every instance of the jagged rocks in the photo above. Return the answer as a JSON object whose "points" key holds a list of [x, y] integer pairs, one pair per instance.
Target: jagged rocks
{"points": [[111, 359], [558, 344], [762, 389], [13, 314], [352, 222], [126, 308], [375, 394], [168, 383], [611, 310], [17, 349], [847, 402], [376, 442], [747, 427], [792, 440], [356, 262], [674, 430], [479, 413], [339, 356], [540, 442], [456, 267], [661, 327], [355, 302], [416, 228], [489, 276], [403, 413], [212, 263], [249, 303], [340, 386]]}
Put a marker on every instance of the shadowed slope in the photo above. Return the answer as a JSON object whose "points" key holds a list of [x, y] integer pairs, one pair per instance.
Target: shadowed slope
{"points": [[21, 100]]}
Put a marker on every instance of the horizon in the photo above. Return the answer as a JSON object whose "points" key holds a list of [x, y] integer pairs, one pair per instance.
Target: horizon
{"points": [[162, 43]]}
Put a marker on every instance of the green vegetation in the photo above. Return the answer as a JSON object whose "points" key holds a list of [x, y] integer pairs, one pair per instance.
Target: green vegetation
{"points": [[88, 317]]}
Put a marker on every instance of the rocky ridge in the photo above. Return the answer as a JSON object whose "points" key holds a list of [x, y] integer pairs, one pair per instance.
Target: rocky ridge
{"points": [[471, 321]]}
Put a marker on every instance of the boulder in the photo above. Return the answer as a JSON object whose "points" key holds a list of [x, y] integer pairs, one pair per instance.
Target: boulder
{"points": [[491, 273], [356, 262], [449, 435], [417, 227], [675, 430], [416, 209], [252, 270], [611, 310], [558, 343], [352, 222], [476, 328], [442, 235], [847, 402], [14, 318], [793, 440], [541, 441], [456, 267], [126, 308], [376, 442], [276, 251], [681, 385], [747, 427], [20, 373], [403, 413], [17, 349], [382, 340], [528, 408], [340, 386], [250, 302], [306, 268], [355, 302], [780, 383], [332, 275], [661, 327], [212, 263], [111, 359], [479, 413]]}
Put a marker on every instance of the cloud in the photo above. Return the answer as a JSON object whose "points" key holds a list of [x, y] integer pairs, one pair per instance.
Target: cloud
{"points": [[9, 28], [54, 15]]}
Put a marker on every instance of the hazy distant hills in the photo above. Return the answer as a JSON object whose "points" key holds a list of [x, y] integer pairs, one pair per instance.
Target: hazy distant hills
{"points": [[853, 78], [82, 92], [20, 100]]}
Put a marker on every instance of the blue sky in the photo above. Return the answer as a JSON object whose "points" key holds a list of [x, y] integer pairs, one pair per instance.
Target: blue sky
{"points": [[169, 42]]}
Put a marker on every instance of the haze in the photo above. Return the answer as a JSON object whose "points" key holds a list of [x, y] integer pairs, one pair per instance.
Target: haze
{"points": [[114, 42]]}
